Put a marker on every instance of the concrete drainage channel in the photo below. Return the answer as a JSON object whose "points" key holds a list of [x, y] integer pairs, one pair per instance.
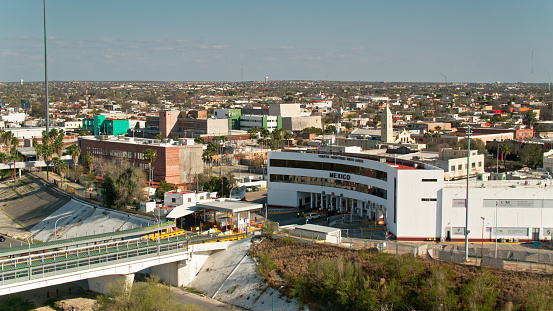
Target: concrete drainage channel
{"points": [[230, 276]]}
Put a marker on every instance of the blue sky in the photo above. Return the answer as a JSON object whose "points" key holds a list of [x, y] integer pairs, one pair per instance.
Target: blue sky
{"points": [[467, 41]]}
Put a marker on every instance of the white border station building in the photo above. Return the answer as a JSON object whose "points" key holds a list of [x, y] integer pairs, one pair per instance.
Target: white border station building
{"points": [[411, 198]]}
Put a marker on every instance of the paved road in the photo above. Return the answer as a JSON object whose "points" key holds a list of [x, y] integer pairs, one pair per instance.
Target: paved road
{"points": [[11, 243], [187, 298]]}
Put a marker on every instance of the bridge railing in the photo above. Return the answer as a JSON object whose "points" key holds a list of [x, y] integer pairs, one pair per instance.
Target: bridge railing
{"points": [[38, 266], [62, 262]]}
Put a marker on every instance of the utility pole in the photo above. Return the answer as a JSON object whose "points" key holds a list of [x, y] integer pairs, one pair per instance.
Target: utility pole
{"points": [[46, 72], [497, 160], [467, 198]]}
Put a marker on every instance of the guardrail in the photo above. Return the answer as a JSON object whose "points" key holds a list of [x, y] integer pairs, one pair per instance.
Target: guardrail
{"points": [[44, 265]]}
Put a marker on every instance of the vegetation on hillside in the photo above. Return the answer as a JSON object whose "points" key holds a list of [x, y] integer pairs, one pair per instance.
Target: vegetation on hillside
{"points": [[332, 278]]}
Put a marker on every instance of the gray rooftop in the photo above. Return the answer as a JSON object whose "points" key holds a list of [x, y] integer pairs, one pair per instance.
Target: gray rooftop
{"points": [[230, 206], [317, 228]]}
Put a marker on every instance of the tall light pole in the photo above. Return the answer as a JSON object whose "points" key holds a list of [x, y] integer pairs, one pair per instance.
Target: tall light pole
{"points": [[273, 298], [497, 160], [496, 203], [482, 248], [56, 226], [467, 198], [29, 258], [46, 70]]}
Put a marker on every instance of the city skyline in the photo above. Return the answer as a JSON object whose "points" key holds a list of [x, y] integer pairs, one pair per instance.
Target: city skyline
{"points": [[403, 41]]}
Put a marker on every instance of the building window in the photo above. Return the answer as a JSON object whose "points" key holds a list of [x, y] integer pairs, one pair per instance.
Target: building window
{"points": [[479, 164], [452, 168], [460, 167], [429, 180], [429, 199], [329, 182], [173, 200], [473, 164], [336, 167]]}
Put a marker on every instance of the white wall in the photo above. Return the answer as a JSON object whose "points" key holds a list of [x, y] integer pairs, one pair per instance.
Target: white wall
{"points": [[521, 207], [416, 219]]}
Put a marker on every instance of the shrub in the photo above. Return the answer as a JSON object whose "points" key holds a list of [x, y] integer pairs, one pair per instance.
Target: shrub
{"points": [[480, 293], [266, 265], [15, 303], [540, 299], [436, 293]]}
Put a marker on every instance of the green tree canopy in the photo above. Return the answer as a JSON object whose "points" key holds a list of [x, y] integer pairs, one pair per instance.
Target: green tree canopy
{"points": [[142, 296], [162, 188]]}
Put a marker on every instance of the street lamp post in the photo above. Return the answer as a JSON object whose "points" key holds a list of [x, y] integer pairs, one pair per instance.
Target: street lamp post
{"points": [[273, 298], [467, 198], [482, 248], [29, 258], [496, 203], [56, 226]]}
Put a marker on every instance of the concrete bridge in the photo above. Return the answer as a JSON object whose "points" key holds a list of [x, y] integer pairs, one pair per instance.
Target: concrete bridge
{"points": [[176, 260]]}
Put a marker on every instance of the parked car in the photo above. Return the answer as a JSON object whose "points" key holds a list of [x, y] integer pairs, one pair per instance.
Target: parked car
{"points": [[312, 216]]}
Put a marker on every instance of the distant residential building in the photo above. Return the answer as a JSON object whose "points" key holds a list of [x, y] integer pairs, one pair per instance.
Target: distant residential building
{"points": [[14, 117]]}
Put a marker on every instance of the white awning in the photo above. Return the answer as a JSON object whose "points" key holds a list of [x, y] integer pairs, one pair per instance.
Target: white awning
{"points": [[182, 210]]}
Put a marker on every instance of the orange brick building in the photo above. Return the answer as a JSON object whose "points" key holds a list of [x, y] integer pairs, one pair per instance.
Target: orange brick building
{"points": [[176, 161]]}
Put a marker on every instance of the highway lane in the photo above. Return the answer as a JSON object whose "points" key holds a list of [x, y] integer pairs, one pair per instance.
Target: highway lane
{"points": [[11, 242]]}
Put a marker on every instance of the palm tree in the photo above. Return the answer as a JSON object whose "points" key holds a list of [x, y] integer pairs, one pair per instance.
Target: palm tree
{"points": [[89, 161], [47, 154], [74, 151], [427, 135], [288, 136], [207, 157], [15, 155], [60, 167], [7, 138], [199, 140], [504, 150], [436, 135], [150, 156], [253, 132]]}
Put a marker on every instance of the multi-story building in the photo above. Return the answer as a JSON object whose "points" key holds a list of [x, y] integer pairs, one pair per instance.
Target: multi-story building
{"points": [[410, 197], [177, 162], [99, 125], [256, 121]]}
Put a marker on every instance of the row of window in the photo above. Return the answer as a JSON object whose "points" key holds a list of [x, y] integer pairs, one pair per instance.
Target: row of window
{"points": [[116, 153], [328, 182], [336, 167], [460, 166]]}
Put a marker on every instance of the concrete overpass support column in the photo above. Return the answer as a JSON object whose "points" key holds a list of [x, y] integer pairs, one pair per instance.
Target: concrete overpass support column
{"points": [[101, 284], [311, 200], [360, 207], [181, 272]]}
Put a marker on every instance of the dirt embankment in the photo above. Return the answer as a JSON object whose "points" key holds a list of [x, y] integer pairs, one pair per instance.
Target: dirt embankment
{"points": [[293, 258]]}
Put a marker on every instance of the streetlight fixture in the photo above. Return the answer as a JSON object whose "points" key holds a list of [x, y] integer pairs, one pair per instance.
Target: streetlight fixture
{"points": [[56, 226]]}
